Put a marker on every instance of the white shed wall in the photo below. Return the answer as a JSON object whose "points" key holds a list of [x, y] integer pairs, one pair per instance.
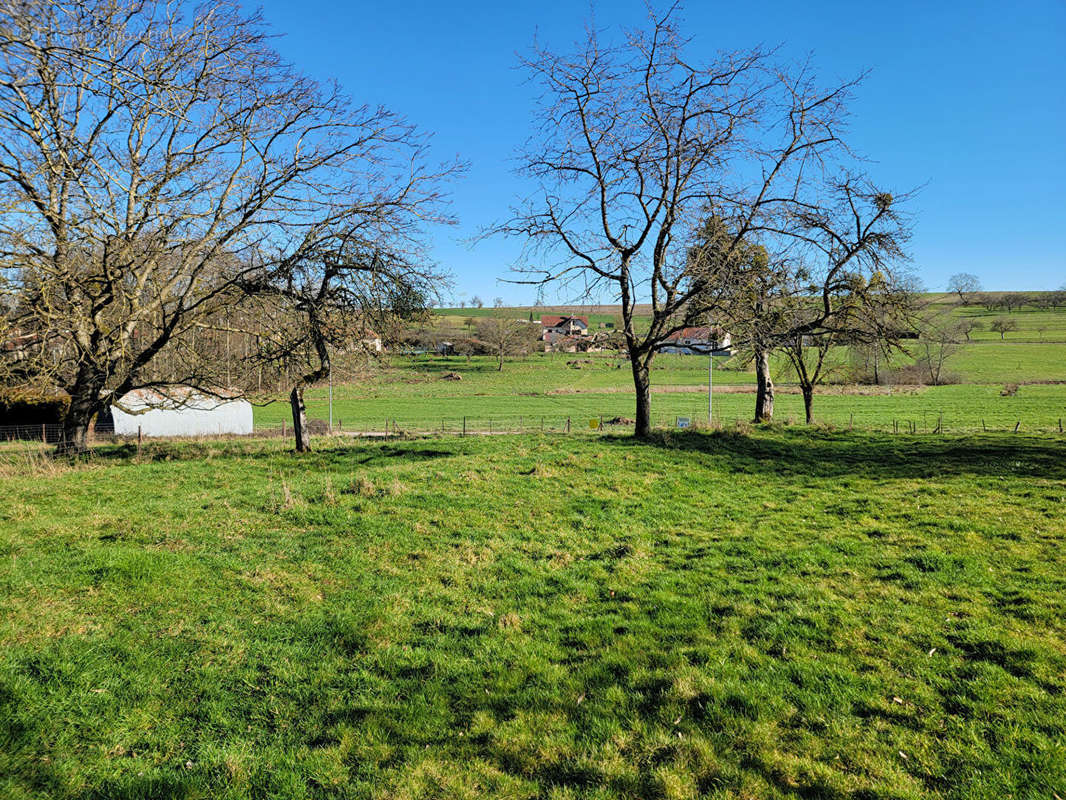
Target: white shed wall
{"points": [[201, 417]]}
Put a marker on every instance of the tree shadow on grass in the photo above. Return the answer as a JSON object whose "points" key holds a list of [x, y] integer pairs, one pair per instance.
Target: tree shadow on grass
{"points": [[822, 454], [342, 455]]}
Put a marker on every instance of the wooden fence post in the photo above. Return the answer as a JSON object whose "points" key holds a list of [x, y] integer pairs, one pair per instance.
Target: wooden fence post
{"points": [[568, 424], [464, 426]]}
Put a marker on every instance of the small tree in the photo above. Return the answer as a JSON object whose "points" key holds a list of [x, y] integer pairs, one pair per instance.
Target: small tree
{"points": [[940, 337], [505, 336], [336, 296], [810, 358], [967, 326], [965, 285], [477, 302], [1003, 326]]}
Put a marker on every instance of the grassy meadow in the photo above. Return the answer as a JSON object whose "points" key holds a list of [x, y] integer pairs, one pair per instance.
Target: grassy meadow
{"points": [[995, 384], [412, 393], [788, 613]]}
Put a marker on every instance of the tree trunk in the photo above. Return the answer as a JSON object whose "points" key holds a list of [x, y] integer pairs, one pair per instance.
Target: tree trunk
{"points": [[74, 437], [84, 403], [808, 402], [764, 394], [642, 385], [299, 419]]}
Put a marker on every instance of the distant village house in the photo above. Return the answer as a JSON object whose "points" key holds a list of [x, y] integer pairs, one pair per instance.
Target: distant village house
{"points": [[696, 341], [562, 331]]}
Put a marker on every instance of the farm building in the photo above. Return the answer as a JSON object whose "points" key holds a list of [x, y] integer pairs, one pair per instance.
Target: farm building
{"points": [[554, 327], [696, 341], [180, 412]]}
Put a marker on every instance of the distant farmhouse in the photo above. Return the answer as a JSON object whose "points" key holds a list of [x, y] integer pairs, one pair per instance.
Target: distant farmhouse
{"points": [[696, 341], [181, 411], [371, 341], [555, 330], [19, 345]]}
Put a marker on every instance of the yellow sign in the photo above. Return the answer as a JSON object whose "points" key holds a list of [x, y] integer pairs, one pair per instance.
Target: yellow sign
{"points": [[594, 424]]}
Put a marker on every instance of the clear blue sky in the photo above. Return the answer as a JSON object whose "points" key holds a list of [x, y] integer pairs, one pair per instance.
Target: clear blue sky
{"points": [[968, 98]]}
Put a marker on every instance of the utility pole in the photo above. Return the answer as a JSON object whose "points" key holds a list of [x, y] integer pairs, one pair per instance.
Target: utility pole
{"points": [[710, 385]]}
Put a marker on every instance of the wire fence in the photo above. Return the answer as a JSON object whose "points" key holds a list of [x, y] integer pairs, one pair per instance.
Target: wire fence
{"points": [[573, 424], [51, 433], [488, 425]]}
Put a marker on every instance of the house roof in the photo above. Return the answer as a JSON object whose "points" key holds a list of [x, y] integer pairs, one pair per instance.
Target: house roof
{"points": [[704, 333], [18, 341], [553, 321]]}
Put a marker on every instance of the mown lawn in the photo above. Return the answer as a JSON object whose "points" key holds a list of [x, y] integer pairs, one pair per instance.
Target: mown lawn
{"points": [[784, 614]]}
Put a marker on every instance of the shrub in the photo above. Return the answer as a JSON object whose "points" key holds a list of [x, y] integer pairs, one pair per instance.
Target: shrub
{"points": [[32, 407]]}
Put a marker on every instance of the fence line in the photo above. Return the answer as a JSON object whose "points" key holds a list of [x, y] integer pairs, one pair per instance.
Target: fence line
{"points": [[588, 423], [490, 425]]}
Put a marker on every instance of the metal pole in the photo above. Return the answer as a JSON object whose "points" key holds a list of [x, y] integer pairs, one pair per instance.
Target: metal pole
{"points": [[710, 386], [331, 397]]}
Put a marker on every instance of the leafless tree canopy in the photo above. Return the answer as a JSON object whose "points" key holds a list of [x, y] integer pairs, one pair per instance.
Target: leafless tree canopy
{"points": [[636, 144], [505, 336], [152, 156]]}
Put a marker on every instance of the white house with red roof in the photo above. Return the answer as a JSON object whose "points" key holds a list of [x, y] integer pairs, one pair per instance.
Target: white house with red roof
{"points": [[553, 328]]}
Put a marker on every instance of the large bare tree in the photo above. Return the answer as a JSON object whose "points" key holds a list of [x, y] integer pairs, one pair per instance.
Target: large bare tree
{"points": [[636, 142], [150, 154]]}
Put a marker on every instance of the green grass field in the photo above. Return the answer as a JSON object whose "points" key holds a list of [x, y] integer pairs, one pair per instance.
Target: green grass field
{"points": [[543, 390], [787, 614]]}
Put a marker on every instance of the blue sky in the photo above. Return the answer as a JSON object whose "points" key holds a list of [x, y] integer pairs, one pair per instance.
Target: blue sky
{"points": [[967, 99]]}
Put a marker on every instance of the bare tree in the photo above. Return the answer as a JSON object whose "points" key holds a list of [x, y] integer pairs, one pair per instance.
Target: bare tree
{"points": [[810, 357], [505, 336], [1003, 326], [826, 268], [152, 153], [635, 143], [477, 302], [341, 294], [967, 326], [940, 337], [966, 285]]}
